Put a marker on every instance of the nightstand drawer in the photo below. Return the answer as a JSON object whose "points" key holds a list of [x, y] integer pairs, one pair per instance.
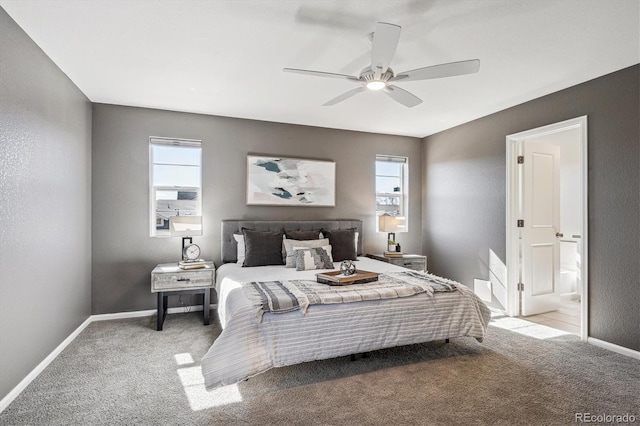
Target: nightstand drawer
{"points": [[181, 281], [415, 264], [171, 278], [410, 261]]}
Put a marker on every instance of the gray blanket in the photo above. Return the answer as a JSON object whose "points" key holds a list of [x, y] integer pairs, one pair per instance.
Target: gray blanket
{"points": [[292, 295]]}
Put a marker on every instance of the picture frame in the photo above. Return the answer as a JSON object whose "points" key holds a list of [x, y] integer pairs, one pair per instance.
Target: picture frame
{"points": [[289, 181]]}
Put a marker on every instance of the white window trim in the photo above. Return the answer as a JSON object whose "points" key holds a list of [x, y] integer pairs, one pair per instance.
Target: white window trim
{"points": [[404, 189], [156, 140]]}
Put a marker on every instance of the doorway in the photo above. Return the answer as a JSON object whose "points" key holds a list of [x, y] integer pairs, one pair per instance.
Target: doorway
{"points": [[546, 220]]}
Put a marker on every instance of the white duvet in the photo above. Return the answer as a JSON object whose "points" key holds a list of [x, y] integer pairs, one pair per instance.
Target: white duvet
{"points": [[247, 347]]}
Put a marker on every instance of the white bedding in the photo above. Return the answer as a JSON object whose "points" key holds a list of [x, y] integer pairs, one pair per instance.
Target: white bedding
{"points": [[247, 347]]}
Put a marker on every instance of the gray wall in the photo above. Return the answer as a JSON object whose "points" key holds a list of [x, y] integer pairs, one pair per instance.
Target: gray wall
{"points": [[45, 205], [124, 253], [464, 187]]}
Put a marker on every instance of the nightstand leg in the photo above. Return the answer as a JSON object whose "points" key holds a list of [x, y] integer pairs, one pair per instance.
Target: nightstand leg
{"points": [[160, 313], [206, 305], [162, 310]]}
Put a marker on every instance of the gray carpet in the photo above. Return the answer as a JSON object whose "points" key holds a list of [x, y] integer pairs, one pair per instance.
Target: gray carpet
{"points": [[125, 372]]}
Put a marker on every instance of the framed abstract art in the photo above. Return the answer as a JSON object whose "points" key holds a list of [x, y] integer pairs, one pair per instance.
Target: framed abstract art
{"points": [[284, 181]]}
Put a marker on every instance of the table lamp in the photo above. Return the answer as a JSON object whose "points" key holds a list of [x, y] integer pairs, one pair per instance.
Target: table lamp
{"points": [[391, 225]]}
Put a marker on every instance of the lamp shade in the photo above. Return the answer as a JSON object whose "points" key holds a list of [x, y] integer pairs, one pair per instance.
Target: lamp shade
{"points": [[185, 226], [391, 223]]}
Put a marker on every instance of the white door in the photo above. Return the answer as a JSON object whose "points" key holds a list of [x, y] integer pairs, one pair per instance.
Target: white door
{"points": [[540, 234]]}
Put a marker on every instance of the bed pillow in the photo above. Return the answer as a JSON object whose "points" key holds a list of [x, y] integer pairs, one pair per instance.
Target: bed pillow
{"points": [[343, 243], [300, 236], [262, 248], [313, 258], [240, 251], [303, 235], [290, 260]]}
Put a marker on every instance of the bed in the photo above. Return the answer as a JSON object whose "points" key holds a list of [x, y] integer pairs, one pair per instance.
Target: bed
{"points": [[250, 344]]}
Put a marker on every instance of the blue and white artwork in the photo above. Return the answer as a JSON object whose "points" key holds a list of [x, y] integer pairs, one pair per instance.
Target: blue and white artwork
{"points": [[279, 181]]}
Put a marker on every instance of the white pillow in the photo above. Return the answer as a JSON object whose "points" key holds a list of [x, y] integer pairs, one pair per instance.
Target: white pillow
{"points": [[290, 260], [313, 258], [284, 237], [240, 253]]}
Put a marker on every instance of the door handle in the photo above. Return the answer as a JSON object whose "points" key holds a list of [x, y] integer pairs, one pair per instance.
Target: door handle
{"points": [[559, 234]]}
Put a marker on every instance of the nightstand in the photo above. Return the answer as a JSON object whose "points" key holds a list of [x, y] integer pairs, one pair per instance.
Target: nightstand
{"points": [[168, 279], [409, 261]]}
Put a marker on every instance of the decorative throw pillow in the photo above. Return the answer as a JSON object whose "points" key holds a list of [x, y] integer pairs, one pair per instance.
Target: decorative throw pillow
{"points": [[240, 251], [262, 248], [303, 235], [300, 236], [313, 258], [290, 260], [343, 243]]}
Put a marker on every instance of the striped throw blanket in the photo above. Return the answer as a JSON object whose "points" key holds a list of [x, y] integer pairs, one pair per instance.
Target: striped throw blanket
{"points": [[292, 295]]}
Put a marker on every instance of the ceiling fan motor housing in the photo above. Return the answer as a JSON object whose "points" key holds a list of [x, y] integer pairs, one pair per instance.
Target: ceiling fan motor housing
{"points": [[367, 75]]}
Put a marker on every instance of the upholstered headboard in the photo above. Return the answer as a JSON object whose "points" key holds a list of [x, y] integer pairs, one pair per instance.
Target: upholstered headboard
{"points": [[230, 227]]}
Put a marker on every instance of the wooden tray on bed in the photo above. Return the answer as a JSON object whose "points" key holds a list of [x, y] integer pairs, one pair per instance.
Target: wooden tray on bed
{"points": [[337, 278]]}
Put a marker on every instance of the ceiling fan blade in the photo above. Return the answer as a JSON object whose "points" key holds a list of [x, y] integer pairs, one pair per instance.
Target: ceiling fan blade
{"points": [[385, 42], [400, 95], [323, 74], [344, 96], [438, 71]]}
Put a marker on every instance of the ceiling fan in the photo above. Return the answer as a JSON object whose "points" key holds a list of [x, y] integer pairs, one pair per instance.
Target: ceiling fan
{"points": [[378, 75]]}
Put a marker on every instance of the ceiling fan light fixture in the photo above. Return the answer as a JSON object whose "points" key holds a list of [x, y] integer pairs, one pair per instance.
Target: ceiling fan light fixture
{"points": [[376, 85]]}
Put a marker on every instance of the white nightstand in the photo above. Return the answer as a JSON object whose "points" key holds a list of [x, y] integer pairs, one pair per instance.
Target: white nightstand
{"points": [[168, 278]]}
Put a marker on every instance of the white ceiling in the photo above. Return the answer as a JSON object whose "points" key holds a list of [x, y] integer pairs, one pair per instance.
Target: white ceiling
{"points": [[226, 57]]}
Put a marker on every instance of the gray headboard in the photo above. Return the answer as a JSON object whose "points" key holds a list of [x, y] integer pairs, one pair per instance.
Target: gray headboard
{"points": [[230, 227]]}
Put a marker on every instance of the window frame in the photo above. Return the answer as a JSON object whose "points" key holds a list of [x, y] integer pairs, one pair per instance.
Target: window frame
{"points": [[153, 189], [404, 185]]}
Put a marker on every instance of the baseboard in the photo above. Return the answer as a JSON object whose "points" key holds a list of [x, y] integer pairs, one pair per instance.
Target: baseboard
{"points": [[13, 394], [123, 315], [614, 348], [149, 312]]}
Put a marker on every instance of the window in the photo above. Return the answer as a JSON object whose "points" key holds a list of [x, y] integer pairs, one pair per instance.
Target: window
{"points": [[175, 179], [391, 185]]}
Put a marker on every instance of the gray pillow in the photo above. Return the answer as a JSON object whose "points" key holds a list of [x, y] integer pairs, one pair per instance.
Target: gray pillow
{"points": [[290, 260], [343, 244], [262, 248], [303, 235], [313, 258]]}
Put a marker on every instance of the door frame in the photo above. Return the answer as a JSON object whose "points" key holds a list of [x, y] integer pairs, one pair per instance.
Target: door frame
{"points": [[512, 201]]}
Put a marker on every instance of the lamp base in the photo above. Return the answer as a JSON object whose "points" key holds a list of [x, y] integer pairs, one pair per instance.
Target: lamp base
{"points": [[391, 236], [184, 240]]}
